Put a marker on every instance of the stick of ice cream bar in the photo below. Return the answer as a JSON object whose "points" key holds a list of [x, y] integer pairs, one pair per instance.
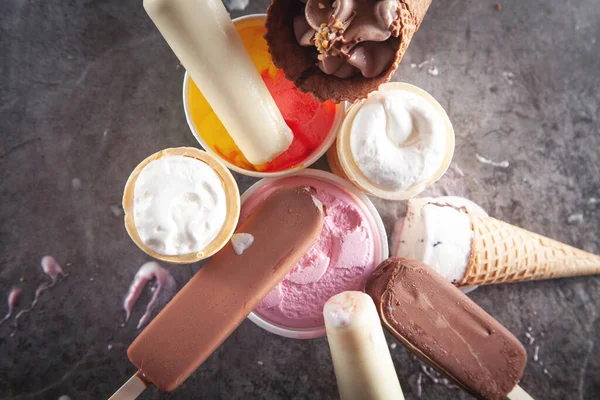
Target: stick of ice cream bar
{"points": [[206, 42], [361, 359]]}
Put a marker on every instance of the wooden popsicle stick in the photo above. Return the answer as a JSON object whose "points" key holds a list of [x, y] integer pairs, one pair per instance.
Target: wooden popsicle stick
{"points": [[519, 394], [131, 389]]}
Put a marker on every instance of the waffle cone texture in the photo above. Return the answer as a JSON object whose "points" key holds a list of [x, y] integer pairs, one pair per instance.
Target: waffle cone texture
{"points": [[502, 252], [299, 63]]}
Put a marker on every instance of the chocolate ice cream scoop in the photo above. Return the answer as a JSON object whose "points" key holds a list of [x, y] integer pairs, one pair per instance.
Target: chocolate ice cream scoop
{"points": [[350, 35], [341, 50], [447, 330]]}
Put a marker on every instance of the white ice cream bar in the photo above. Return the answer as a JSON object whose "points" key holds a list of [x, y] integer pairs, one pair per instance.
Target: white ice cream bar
{"points": [[361, 358], [203, 37]]}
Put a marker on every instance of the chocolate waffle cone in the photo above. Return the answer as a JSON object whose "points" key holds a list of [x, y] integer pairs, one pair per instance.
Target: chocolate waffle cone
{"points": [[299, 63], [502, 253]]}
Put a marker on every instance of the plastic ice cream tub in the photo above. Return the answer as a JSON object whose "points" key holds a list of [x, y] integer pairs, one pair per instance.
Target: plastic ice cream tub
{"points": [[353, 242], [314, 124]]}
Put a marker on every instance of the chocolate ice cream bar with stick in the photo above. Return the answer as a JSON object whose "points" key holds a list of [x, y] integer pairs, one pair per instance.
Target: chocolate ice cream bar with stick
{"points": [[224, 291], [447, 330]]}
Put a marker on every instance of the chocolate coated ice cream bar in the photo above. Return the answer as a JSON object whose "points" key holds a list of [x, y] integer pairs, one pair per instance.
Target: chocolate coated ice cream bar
{"points": [[223, 292], [446, 329]]}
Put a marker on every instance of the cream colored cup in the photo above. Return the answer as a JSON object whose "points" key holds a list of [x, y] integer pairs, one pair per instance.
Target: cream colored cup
{"points": [[342, 162], [232, 195]]}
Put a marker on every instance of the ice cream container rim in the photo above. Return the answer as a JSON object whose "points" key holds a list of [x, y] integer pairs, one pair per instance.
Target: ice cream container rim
{"points": [[317, 153], [231, 192], [378, 228], [352, 171]]}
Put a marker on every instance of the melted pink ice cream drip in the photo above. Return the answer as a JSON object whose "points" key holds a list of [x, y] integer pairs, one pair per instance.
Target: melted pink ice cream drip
{"points": [[163, 283], [52, 269], [13, 300], [342, 259]]}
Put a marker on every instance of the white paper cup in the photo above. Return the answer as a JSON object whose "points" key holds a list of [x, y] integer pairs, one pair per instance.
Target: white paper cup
{"points": [[316, 154], [380, 240]]}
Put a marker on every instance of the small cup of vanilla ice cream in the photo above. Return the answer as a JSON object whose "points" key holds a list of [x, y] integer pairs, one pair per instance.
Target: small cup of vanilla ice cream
{"points": [[394, 143], [181, 205]]}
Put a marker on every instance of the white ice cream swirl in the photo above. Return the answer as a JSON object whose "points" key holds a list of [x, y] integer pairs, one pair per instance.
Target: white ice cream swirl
{"points": [[437, 231], [398, 139], [179, 205]]}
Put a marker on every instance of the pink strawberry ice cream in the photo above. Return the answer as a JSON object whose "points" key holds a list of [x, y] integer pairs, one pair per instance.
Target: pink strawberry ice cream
{"points": [[341, 260]]}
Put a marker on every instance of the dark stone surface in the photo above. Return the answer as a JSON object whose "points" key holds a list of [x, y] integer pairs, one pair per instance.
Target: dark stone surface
{"points": [[89, 88]]}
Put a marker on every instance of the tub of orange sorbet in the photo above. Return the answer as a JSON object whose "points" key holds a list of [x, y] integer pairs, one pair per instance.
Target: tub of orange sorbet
{"points": [[314, 124]]}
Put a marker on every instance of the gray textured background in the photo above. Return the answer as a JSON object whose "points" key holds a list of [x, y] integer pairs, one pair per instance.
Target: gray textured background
{"points": [[89, 88]]}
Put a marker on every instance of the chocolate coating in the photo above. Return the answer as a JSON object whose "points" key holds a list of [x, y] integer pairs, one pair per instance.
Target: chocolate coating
{"points": [[301, 66], [223, 292], [446, 329]]}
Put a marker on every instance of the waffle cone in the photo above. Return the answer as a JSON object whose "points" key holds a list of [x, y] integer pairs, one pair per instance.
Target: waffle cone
{"points": [[502, 252], [299, 63]]}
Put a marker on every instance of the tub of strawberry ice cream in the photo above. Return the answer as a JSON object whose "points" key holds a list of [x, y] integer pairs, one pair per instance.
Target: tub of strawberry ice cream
{"points": [[352, 243]]}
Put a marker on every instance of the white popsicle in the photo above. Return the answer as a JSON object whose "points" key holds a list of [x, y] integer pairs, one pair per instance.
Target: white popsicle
{"points": [[361, 358], [203, 37]]}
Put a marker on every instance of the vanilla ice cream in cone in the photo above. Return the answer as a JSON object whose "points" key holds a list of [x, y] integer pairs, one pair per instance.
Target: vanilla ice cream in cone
{"points": [[457, 239], [395, 143], [340, 50], [181, 205]]}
